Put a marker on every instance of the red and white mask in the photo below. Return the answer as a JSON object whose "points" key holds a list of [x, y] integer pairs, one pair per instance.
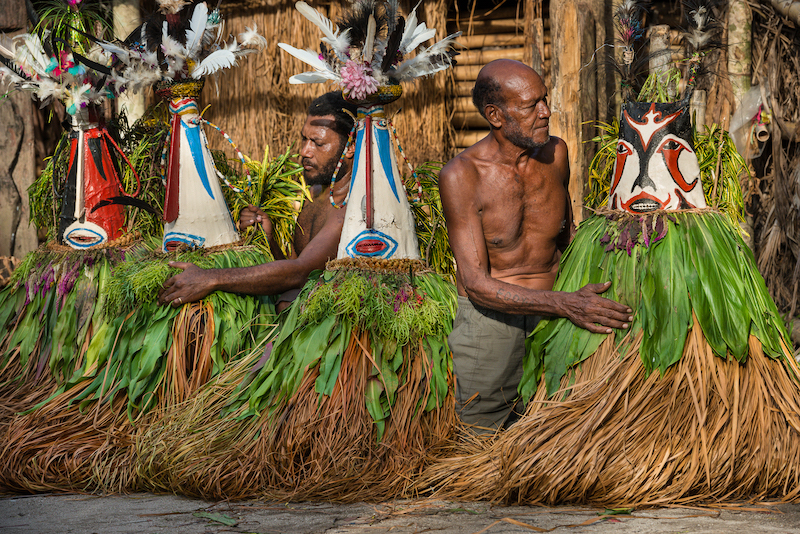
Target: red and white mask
{"points": [[656, 166]]}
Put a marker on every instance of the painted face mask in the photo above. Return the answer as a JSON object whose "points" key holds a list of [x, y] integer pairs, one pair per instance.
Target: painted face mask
{"points": [[656, 166], [195, 212], [378, 222], [92, 208]]}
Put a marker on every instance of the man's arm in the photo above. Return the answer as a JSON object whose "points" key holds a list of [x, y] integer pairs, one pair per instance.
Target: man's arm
{"points": [[462, 213], [272, 278]]}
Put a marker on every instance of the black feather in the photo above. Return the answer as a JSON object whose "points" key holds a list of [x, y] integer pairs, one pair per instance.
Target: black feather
{"points": [[393, 44], [357, 20], [33, 15], [91, 64], [14, 68], [125, 201]]}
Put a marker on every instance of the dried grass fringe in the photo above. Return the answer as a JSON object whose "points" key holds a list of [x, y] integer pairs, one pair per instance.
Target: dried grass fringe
{"points": [[709, 430], [60, 447], [315, 447]]}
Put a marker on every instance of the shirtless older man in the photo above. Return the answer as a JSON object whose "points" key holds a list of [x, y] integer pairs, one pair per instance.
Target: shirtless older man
{"points": [[508, 215], [319, 225]]}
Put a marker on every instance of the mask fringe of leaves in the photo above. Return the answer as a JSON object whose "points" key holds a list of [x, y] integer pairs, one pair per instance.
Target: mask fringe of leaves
{"points": [[667, 267], [92, 316]]}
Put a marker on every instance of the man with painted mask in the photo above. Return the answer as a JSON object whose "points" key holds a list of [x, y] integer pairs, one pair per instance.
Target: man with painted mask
{"points": [[508, 214], [323, 139]]}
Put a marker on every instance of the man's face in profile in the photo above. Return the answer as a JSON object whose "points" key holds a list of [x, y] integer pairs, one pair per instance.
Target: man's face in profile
{"points": [[320, 149]]}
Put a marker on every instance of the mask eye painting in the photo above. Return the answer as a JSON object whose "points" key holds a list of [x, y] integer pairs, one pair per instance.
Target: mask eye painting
{"points": [[656, 166]]}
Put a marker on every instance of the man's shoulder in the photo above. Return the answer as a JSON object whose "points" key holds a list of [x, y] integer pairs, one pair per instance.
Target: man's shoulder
{"points": [[463, 165]]}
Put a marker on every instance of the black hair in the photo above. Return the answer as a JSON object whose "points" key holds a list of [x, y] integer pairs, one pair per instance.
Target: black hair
{"points": [[333, 103], [487, 91]]}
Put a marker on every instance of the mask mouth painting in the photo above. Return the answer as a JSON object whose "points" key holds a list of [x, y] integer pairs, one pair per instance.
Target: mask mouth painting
{"points": [[175, 240], [656, 167], [372, 244], [643, 202], [84, 235]]}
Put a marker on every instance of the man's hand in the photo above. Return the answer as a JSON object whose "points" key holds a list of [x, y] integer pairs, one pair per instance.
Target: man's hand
{"points": [[252, 215], [191, 285], [588, 310]]}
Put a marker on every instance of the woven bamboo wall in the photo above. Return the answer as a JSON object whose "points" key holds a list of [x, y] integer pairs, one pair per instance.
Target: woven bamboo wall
{"points": [[255, 104]]}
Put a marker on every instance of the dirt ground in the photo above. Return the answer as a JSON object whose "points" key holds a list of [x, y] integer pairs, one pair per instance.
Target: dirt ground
{"points": [[161, 514]]}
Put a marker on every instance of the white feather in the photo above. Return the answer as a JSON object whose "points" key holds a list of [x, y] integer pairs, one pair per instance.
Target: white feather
{"points": [[312, 77], [123, 54], [411, 27], [339, 42], [8, 75], [369, 40], [7, 46], [428, 61], [307, 56], [420, 35], [251, 37], [197, 27], [170, 46], [221, 59]]}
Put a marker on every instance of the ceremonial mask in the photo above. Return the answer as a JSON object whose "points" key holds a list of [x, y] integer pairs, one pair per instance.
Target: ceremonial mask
{"points": [[656, 166]]}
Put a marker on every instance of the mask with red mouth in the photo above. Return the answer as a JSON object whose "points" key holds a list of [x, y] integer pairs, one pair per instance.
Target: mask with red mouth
{"points": [[656, 166]]}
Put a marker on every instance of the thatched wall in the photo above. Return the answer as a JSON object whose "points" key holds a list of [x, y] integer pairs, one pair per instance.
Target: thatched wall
{"points": [[258, 107]]}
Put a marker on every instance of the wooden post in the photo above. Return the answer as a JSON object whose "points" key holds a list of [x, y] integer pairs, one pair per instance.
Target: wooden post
{"points": [[17, 154], [574, 91], [660, 53], [740, 41], [127, 19]]}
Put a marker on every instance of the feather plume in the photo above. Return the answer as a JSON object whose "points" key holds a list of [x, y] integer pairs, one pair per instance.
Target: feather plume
{"points": [[307, 56], [196, 30], [428, 61], [338, 41], [369, 40], [7, 46], [392, 45], [312, 77], [170, 46], [251, 37], [221, 59]]}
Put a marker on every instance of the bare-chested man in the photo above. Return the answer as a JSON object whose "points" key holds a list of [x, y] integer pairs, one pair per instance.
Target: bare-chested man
{"points": [[319, 225], [508, 215]]}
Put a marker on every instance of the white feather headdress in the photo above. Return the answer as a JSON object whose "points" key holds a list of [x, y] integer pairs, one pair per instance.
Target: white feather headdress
{"points": [[372, 48]]}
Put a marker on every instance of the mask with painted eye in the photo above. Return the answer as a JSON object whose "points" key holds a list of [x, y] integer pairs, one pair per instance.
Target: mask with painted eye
{"points": [[656, 166]]}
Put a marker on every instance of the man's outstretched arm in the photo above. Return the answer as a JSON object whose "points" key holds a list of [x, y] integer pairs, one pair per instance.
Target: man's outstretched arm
{"points": [[584, 307], [272, 278]]}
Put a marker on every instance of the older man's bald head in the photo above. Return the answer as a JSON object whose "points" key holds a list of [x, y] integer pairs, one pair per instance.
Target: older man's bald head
{"points": [[498, 76]]}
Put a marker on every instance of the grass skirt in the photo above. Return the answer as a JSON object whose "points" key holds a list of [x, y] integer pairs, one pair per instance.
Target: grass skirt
{"points": [[348, 403], [88, 355], [697, 402]]}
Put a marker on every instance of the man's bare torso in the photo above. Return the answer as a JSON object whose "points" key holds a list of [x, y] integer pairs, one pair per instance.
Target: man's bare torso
{"points": [[313, 216], [524, 213]]}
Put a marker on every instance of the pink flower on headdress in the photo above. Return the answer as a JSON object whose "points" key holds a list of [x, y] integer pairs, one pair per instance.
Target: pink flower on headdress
{"points": [[356, 81]]}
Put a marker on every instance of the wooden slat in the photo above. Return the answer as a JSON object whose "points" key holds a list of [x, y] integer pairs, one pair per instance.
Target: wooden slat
{"points": [[502, 13], [464, 88], [469, 119], [499, 39], [463, 73], [482, 57], [463, 104], [480, 27], [469, 137]]}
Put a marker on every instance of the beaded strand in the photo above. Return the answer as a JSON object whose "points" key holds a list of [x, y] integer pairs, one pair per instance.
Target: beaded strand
{"points": [[238, 152], [418, 196]]}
